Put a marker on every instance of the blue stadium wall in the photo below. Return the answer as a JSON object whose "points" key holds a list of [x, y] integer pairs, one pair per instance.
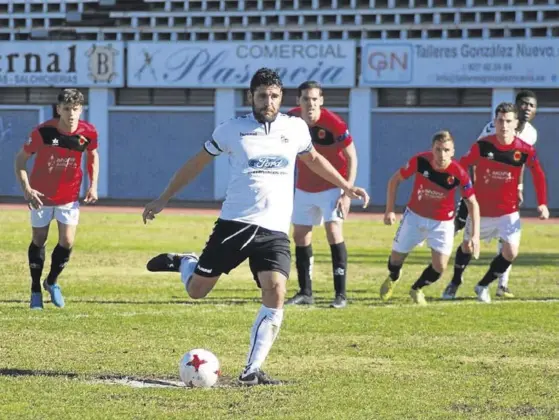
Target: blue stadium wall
{"points": [[146, 147]]}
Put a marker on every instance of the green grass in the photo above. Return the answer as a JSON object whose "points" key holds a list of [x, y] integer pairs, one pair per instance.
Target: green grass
{"points": [[370, 361]]}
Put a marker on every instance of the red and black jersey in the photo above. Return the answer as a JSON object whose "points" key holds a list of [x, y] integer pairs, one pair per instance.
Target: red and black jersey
{"points": [[57, 169], [497, 172], [434, 190], [330, 136]]}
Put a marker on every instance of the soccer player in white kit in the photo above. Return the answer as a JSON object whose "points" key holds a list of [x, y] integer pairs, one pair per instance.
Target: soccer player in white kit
{"points": [[527, 104], [262, 148]]}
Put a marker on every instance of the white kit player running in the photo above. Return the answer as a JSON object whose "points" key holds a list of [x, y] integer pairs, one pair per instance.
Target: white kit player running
{"points": [[527, 104], [262, 148]]}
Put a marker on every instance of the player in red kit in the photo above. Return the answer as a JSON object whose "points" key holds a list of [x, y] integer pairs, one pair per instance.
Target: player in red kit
{"points": [[316, 200], [52, 191], [498, 160], [429, 214]]}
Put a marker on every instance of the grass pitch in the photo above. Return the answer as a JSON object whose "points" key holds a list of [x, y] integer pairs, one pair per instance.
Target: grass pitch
{"points": [[123, 326]]}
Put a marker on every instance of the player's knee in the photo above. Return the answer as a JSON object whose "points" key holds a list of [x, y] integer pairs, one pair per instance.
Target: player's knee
{"points": [[439, 266], [66, 243], [275, 289], [197, 287], [509, 254], [39, 237], [302, 235], [39, 241], [334, 232], [196, 292]]}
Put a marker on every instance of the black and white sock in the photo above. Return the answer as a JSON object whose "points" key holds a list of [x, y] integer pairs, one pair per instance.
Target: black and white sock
{"points": [[262, 336]]}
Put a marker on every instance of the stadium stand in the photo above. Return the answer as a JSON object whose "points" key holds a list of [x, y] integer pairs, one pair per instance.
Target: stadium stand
{"points": [[246, 20]]}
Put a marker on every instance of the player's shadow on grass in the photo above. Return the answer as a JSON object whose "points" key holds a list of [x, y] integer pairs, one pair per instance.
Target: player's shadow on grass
{"points": [[421, 256], [179, 301], [27, 372], [232, 301], [112, 379]]}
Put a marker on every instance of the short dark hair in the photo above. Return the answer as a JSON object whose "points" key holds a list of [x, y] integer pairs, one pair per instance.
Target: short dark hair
{"points": [[506, 107], [443, 136], [265, 77], [70, 97], [523, 94], [309, 84]]}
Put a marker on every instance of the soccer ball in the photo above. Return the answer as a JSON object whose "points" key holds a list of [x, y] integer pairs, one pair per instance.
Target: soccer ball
{"points": [[199, 368]]}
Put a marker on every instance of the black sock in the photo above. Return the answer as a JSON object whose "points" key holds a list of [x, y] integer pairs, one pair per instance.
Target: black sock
{"points": [[303, 262], [339, 265], [59, 259], [429, 276], [497, 267], [394, 270], [36, 256], [461, 216], [461, 261]]}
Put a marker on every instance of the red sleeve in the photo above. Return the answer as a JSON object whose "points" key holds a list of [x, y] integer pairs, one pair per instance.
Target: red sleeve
{"points": [[93, 138], [296, 112], [33, 143], [410, 168], [470, 158], [343, 138], [466, 185], [338, 127], [538, 177]]}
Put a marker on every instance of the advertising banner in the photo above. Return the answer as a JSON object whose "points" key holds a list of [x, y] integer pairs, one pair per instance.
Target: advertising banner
{"points": [[232, 64], [61, 63], [490, 63]]}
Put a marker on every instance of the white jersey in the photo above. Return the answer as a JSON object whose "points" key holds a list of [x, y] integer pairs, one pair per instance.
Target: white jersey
{"points": [[262, 168], [528, 135]]}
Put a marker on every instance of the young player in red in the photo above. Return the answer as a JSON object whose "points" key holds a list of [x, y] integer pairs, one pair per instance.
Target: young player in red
{"points": [[317, 201], [498, 160], [429, 214], [53, 189], [527, 105]]}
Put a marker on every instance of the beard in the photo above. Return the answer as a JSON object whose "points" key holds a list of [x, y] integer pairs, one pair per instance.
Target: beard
{"points": [[262, 117]]}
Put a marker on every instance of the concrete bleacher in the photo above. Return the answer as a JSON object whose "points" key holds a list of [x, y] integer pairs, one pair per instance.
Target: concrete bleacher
{"points": [[245, 20]]}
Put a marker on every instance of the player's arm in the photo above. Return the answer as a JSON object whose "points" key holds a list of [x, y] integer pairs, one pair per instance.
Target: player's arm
{"points": [[344, 202], [470, 159], [521, 186], [351, 156], [320, 165], [92, 157], [20, 166], [32, 196], [391, 190], [538, 177], [473, 211]]}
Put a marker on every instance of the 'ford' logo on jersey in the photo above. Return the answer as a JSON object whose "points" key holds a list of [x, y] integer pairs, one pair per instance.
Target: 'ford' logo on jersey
{"points": [[268, 162]]}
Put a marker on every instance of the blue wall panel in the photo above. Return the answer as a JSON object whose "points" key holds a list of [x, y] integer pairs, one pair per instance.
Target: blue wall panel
{"points": [[146, 148]]}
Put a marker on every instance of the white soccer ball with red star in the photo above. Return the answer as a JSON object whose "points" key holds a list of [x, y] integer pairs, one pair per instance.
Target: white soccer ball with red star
{"points": [[199, 368]]}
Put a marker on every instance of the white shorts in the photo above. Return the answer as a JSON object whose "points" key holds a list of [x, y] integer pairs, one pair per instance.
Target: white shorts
{"points": [[505, 227], [69, 214], [414, 229], [313, 209]]}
